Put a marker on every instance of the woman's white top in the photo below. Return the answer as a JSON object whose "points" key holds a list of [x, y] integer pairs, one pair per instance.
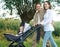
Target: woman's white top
{"points": [[48, 18]]}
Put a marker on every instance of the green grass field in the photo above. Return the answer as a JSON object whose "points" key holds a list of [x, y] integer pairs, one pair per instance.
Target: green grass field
{"points": [[27, 43], [11, 26]]}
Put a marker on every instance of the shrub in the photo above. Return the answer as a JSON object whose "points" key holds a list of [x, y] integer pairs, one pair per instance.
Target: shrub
{"points": [[14, 25], [9, 24], [57, 29]]}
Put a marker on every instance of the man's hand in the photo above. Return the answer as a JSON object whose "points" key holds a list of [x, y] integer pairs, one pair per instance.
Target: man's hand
{"points": [[35, 24]]}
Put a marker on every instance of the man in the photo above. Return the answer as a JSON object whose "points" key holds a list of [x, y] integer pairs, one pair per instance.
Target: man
{"points": [[38, 17]]}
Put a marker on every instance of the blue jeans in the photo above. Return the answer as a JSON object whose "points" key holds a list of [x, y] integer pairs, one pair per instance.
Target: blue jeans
{"points": [[48, 36]]}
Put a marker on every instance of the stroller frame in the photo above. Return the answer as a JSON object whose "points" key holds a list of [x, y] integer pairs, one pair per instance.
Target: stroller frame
{"points": [[20, 38]]}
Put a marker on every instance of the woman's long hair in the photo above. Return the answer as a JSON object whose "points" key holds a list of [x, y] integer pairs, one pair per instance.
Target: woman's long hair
{"points": [[48, 4]]}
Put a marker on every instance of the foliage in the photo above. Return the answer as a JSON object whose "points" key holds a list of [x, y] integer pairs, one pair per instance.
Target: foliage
{"points": [[14, 25], [25, 8], [9, 24], [57, 29]]}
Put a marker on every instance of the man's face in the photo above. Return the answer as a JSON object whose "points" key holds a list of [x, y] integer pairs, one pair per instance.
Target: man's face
{"points": [[38, 7]]}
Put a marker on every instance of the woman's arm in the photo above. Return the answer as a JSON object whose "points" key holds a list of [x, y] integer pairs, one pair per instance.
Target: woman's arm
{"points": [[48, 17]]}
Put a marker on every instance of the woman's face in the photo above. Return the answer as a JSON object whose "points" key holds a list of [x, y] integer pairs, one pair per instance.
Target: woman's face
{"points": [[46, 5]]}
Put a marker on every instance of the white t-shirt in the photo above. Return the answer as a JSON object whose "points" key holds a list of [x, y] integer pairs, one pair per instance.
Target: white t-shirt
{"points": [[38, 18]]}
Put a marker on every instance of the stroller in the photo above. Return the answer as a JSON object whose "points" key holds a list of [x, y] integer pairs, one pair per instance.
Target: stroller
{"points": [[19, 40]]}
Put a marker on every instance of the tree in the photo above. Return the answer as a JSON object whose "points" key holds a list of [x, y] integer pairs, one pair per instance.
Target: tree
{"points": [[25, 8]]}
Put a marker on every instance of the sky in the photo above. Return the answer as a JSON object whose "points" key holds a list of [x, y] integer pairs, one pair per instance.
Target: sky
{"points": [[7, 11]]}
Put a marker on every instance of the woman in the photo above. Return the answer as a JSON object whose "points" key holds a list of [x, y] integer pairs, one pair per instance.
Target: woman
{"points": [[47, 23]]}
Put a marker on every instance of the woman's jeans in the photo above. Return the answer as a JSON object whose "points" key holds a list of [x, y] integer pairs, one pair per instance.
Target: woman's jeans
{"points": [[48, 36]]}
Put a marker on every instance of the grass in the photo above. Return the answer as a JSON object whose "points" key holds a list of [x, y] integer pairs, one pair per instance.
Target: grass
{"points": [[11, 26], [27, 43], [3, 41]]}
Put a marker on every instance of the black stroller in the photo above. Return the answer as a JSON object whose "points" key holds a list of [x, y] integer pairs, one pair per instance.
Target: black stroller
{"points": [[20, 38]]}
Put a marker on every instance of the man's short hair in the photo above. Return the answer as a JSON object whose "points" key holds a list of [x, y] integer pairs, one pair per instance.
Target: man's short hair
{"points": [[38, 3]]}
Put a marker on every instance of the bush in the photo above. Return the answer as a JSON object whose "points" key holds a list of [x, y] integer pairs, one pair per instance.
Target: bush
{"points": [[14, 25], [9, 24], [57, 29]]}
